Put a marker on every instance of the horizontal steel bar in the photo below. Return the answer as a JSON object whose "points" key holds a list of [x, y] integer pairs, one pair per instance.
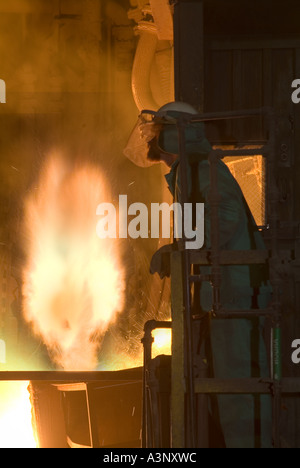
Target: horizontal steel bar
{"points": [[245, 386], [230, 114], [232, 144], [231, 314], [71, 376], [209, 385], [238, 313], [246, 43], [244, 152], [230, 257]]}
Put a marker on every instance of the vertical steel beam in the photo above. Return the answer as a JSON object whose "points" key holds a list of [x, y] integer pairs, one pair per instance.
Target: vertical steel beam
{"points": [[214, 201], [273, 216], [178, 371], [147, 341], [186, 272], [92, 416]]}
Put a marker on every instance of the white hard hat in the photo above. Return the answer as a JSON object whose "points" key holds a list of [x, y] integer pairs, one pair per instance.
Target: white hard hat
{"points": [[137, 147], [177, 106]]}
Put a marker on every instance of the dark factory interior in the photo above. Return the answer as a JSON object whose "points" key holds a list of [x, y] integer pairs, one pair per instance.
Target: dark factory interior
{"points": [[96, 350]]}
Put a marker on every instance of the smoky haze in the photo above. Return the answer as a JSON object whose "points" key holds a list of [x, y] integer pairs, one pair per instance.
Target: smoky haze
{"points": [[67, 67]]}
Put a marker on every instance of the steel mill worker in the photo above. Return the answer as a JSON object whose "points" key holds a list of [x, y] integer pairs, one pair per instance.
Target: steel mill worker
{"points": [[238, 348]]}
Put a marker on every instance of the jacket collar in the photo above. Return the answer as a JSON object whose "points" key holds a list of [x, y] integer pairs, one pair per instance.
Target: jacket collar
{"points": [[171, 177]]}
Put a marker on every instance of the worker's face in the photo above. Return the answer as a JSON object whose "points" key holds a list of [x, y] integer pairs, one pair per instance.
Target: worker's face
{"points": [[151, 134]]}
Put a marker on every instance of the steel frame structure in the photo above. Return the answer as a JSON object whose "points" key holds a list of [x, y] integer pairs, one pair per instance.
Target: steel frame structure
{"points": [[184, 386]]}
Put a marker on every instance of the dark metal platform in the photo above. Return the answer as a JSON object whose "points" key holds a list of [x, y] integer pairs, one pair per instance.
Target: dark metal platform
{"points": [[71, 376]]}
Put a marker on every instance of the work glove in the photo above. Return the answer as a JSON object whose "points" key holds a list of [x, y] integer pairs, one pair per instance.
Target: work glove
{"points": [[161, 261]]}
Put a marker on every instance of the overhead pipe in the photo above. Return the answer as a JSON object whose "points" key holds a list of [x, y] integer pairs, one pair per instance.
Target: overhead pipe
{"points": [[143, 61], [153, 70], [164, 59]]}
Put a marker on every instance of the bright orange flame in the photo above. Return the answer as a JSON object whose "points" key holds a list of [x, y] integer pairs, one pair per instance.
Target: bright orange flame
{"points": [[73, 281], [162, 341], [15, 416]]}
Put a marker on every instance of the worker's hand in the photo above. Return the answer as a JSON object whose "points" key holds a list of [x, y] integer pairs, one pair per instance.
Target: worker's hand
{"points": [[161, 262]]}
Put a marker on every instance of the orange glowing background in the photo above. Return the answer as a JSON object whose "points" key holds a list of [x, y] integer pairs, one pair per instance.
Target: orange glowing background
{"points": [[73, 285], [162, 341], [15, 416]]}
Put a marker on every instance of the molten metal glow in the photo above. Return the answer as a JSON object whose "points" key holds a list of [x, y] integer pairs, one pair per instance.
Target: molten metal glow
{"points": [[15, 416], [73, 281], [121, 360], [162, 341]]}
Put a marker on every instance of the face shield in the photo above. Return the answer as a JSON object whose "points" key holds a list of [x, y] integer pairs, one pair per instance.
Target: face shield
{"points": [[156, 133], [145, 137], [138, 146]]}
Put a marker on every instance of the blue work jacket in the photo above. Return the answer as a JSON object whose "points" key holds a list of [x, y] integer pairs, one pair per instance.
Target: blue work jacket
{"points": [[237, 231]]}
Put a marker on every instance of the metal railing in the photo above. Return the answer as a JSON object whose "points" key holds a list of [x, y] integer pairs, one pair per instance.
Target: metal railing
{"points": [[183, 384]]}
